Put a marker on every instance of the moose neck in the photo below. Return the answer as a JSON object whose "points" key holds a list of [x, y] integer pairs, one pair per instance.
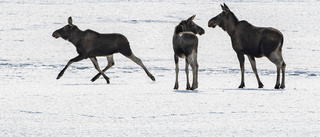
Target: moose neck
{"points": [[230, 24], [76, 36]]}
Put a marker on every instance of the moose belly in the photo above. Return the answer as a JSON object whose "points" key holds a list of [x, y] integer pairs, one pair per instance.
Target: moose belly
{"points": [[101, 52], [251, 49], [182, 53], [251, 52], [182, 56]]}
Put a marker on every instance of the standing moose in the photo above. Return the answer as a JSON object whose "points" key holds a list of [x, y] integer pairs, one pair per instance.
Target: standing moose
{"points": [[185, 45], [252, 41], [91, 44]]}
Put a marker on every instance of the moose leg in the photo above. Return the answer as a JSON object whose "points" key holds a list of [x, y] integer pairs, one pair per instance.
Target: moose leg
{"points": [[193, 64], [277, 86], [76, 59], [176, 60], [187, 73], [283, 67], [110, 64], [241, 61], [96, 65], [139, 62], [254, 68], [197, 67], [277, 60]]}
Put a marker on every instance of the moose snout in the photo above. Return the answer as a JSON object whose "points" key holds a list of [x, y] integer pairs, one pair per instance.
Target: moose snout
{"points": [[211, 24], [201, 31], [55, 34]]}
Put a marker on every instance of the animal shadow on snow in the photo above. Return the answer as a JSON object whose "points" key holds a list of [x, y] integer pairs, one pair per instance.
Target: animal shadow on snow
{"points": [[252, 89], [186, 91]]}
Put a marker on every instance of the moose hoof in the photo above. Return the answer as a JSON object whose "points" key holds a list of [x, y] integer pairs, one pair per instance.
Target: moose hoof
{"points": [[94, 79], [60, 74], [188, 86], [282, 86], [192, 88], [152, 78], [176, 86], [241, 86], [58, 77], [277, 87], [261, 85]]}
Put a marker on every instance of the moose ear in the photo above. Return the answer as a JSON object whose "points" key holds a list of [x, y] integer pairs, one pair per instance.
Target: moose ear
{"points": [[191, 18], [222, 7], [179, 28], [225, 8], [70, 21]]}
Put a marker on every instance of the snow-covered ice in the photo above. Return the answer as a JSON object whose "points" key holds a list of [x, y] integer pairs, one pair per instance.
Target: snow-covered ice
{"points": [[34, 103]]}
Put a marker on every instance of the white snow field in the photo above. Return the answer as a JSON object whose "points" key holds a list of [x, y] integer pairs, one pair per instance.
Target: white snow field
{"points": [[34, 103]]}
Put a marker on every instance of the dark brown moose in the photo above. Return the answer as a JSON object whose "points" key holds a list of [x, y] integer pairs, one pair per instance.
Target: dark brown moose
{"points": [[91, 44], [252, 41], [185, 45]]}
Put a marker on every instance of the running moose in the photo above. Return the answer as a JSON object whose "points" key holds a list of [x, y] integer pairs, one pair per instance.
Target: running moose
{"points": [[90, 44], [252, 41], [185, 45]]}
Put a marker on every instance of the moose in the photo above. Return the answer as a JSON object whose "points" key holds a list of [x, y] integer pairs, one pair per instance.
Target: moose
{"points": [[185, 45], [90, 44], [252, 41]]}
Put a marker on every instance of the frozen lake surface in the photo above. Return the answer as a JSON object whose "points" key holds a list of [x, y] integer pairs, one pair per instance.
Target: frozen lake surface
{"points": [[34, 103]]}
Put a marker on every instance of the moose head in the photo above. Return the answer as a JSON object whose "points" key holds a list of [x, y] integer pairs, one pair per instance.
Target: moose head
{"points": [[222, 18], [66, 31], [189, 25]]}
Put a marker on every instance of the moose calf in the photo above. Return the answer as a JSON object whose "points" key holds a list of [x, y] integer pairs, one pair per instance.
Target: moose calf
{"points": [[90, 44], [252, 41], [185, 45]]}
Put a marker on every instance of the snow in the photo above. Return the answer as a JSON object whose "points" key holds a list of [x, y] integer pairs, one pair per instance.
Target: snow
{"points": [[34, 103]]}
